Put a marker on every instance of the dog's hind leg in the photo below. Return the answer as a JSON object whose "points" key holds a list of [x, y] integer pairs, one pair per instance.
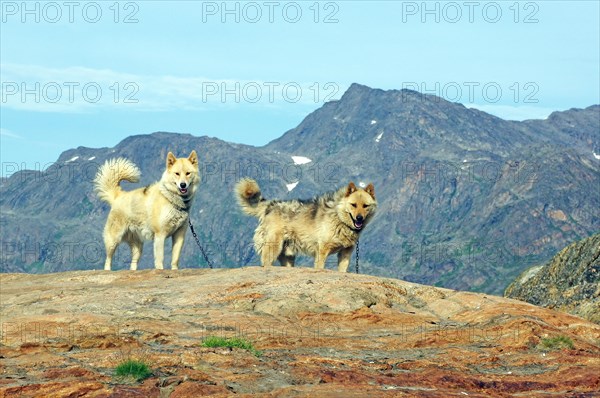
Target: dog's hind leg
{"points": [[111, 246], [286, 261], [270, 250], [113, 235], [136, 246]]}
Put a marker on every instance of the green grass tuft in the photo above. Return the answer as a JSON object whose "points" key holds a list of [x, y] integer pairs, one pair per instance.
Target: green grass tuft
{"points": [[232, 342], [556, 343], [133, 369]]}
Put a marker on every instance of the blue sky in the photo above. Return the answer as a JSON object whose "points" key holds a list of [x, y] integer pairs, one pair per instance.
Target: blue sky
{"points": [[88, 73]]}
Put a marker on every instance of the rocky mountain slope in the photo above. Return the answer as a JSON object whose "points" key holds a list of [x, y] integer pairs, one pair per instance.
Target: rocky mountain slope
{"points": [[467, 200], [570, 282], [318, 333]]}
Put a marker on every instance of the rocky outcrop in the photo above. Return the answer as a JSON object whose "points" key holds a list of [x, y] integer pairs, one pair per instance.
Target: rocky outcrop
{"points": [[570, 282], [320, 333]]}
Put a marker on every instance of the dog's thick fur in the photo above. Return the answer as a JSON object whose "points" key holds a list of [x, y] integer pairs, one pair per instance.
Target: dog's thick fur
{"points": [[325, 225], [156, 211]]}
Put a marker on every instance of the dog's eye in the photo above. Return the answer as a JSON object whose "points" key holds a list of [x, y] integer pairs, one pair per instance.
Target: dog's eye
{"points": [[188, 173], [353, 204], [365, 206], [177, 174]]}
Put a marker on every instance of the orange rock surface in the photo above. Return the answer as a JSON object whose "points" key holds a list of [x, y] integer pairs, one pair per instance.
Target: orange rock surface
{"points": [[320, 334]]}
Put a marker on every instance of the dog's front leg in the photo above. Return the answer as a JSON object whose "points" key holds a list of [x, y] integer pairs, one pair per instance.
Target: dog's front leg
{"points": [[159, 251], [178, 238], [344, 257], [321, 257]]}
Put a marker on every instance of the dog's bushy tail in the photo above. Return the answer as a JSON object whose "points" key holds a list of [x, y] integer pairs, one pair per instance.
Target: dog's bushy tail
{"points": [[249, 197], [110, 174]]}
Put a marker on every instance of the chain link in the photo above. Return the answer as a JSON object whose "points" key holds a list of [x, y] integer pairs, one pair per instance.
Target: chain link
{"points": [[210, 264], [357, 255]]}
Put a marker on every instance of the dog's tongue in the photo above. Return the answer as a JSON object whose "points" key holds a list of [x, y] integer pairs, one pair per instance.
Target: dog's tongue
{"points": [[183, 190], [358, 225]]}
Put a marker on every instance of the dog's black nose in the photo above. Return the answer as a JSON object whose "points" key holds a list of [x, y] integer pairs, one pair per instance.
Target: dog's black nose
{"points": [[360, 218], [183, 185]]}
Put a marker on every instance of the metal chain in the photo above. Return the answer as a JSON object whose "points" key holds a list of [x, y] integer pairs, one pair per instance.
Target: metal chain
{"points": [[210, 264], [357, 255]]}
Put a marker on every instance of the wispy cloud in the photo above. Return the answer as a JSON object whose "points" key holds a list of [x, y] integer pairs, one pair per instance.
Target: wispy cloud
{"points": [[79, 89], [5, 133]]}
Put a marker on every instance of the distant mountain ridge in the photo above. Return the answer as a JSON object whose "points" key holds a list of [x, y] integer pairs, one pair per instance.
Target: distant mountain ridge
{"points": [[467, 200], [363, 110]]}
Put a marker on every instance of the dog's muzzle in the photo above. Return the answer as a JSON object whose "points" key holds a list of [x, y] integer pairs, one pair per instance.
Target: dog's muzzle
{"points": [[183, 188], [359, 222]]}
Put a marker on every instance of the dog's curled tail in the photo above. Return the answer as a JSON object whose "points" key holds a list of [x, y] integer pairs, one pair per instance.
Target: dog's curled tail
{"points": [[249, 197], [110, 174]]}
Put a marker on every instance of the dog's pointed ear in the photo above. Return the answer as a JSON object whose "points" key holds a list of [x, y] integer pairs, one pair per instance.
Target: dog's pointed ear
{"points": [[350, 189], [193, 158], [370, 189], [171, 159]]}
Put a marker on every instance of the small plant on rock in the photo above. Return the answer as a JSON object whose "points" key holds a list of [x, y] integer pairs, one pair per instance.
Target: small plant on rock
{"points": [[133, 369], [232, 342], [556, 343]]}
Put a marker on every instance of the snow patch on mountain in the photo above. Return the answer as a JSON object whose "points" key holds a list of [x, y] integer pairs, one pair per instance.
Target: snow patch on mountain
{"points": [[298, 160]]}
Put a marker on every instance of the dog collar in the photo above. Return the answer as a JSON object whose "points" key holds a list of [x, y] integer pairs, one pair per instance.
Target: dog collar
{"points": [[176, 200], [187, 206]]}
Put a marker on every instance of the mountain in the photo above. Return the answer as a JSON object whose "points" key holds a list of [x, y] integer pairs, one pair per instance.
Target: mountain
{"points": [[313, 333], [570, 282], [466, 200]]}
